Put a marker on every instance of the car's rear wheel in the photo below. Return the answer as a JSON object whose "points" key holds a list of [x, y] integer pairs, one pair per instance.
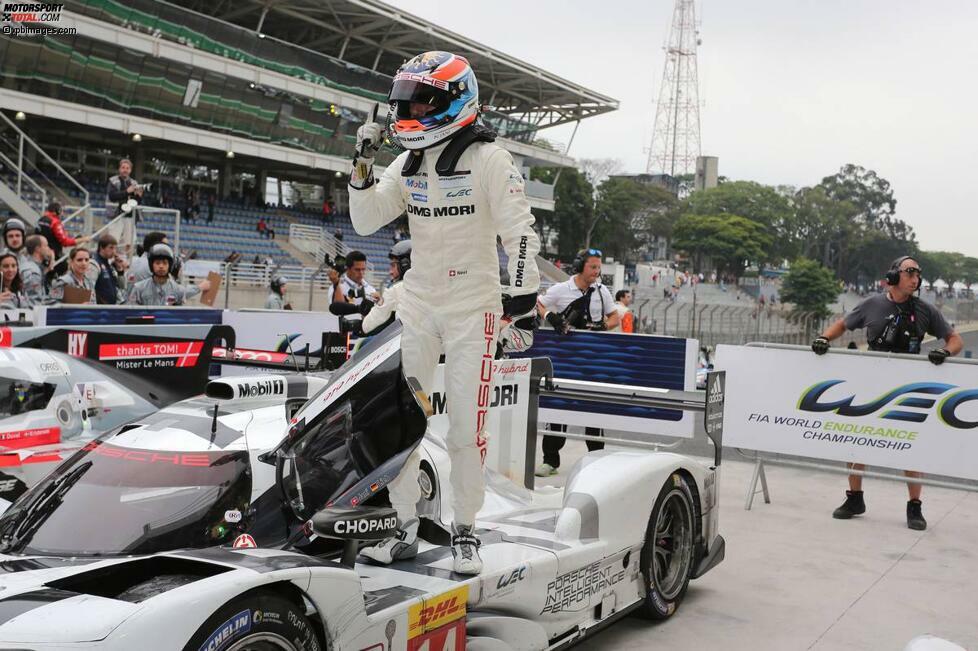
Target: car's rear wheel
{"points": [[667, 555], [257, 621]]}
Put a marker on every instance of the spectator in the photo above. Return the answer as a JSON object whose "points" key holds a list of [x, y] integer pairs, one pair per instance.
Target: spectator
{"points": [[14, 233], [626, 321], [261, 226], [327, 211], [895, 322], [269, 231], [50, 226], [338, 234], [112, 267], [139, 269], [121, 190], [211, 203], [34, 267], [161, 288], [11, 286], [79, 262]]}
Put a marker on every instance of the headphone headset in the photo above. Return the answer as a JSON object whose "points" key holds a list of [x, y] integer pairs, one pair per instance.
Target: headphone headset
{"points": [[893, 275], [582, 258]]}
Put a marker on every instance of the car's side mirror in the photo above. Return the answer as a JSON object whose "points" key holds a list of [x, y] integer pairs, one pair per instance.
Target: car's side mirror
{"points": [[354, 525]]}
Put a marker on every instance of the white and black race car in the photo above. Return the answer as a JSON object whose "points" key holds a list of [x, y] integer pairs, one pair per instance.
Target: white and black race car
{"points": [[61, 387], [232, 521]]}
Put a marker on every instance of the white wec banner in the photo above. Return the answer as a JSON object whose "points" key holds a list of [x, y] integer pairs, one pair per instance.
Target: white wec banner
{"points": [[894, 412]]}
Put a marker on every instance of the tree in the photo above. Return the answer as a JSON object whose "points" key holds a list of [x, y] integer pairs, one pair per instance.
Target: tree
{"points": [[759, 203], [810, 287], [627, 214], [730, 241], [597, 171], [573, 211]]}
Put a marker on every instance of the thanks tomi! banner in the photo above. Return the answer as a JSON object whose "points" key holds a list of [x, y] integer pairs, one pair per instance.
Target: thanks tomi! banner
{"points": [[895, 412]]}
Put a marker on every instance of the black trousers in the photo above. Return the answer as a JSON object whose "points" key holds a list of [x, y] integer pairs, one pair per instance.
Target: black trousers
{"points": [[553, 444]]}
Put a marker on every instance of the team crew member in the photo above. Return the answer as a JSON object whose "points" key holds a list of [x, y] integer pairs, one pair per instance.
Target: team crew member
{"points": [[895, 321], [34, 266], [353, 288], [139, 269], [11, 286], [383, 314], [626, 320], [276, 297], [580, 302], [77, 276], [161, 288], [120, 190], [459, 191], [14, 233], [111, 282]]}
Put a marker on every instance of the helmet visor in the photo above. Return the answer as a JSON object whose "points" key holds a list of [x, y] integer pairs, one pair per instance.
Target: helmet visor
{"points": [[417, 89]]}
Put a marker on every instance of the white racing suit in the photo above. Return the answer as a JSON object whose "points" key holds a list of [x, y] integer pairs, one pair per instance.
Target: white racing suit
{"points": [[450, 298]]}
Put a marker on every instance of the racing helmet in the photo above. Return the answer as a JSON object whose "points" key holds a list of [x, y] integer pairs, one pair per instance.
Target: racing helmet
{"points": [[277, 283], [516, 336], [443, 80], [13, 224], [160, 251], [401, 254]]}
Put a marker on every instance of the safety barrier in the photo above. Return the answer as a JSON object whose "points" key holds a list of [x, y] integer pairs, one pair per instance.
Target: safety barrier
{"points": [[887, 410]]}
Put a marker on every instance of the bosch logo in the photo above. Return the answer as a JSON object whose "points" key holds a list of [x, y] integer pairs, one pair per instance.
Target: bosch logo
{"points": [[365, 526]]}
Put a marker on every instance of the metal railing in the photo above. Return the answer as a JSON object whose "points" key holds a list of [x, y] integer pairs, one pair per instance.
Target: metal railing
{"points": [[21, 155], [319, 243]]}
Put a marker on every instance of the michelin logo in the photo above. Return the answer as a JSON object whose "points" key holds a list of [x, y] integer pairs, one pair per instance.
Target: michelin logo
{"points": [[261, 389], [237, 625]]}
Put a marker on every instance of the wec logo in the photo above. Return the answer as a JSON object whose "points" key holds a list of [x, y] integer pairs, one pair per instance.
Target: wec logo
{"points": [[907, 396]]}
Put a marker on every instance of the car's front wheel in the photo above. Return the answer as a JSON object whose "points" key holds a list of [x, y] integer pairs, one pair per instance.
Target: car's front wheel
{"points": [[667, 555], [257, 621]]}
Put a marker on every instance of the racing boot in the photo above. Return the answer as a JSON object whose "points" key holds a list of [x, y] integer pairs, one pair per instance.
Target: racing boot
{"points": [[465, 549], [403, 544], [854, 505], [915, 519]]}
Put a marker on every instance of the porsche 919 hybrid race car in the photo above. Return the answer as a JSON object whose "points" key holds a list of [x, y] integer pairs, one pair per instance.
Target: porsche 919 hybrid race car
{"points": [[232, 521]]}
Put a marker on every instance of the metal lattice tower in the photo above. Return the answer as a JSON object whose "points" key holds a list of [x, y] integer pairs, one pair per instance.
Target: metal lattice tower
{"points": [[676, 133]]}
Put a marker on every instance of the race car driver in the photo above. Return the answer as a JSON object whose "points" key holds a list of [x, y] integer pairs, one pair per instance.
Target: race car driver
{"points": [[160, 288], [459, 191]]}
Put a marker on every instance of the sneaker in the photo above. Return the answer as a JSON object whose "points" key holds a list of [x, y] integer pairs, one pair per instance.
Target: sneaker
{"points": [[854, 505], [915, 519], [545, 470], [465, 550], [403, 544]]}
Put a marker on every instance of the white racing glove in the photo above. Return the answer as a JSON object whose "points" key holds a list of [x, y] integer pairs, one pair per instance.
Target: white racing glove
{"points": [[370, 137]]}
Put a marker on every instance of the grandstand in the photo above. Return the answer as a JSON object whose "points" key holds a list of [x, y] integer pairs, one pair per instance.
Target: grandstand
{"points": [[228, 98]]}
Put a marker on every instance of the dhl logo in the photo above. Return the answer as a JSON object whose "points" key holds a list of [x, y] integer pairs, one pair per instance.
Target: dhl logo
{"points": [[437, 611]]}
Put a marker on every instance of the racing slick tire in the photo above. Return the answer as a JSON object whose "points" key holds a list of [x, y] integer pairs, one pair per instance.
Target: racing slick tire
{"points": [[668, 553], [257, 621]]}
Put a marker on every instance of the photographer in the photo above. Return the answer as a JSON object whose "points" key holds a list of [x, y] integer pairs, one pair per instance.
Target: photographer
{"points": [[122, 189], [895, 321], [352, 288], [112, 268], [583, 303]]}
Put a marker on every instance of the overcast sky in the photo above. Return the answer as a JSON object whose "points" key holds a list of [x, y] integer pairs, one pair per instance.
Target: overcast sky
{"points": [[791, 89]]}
